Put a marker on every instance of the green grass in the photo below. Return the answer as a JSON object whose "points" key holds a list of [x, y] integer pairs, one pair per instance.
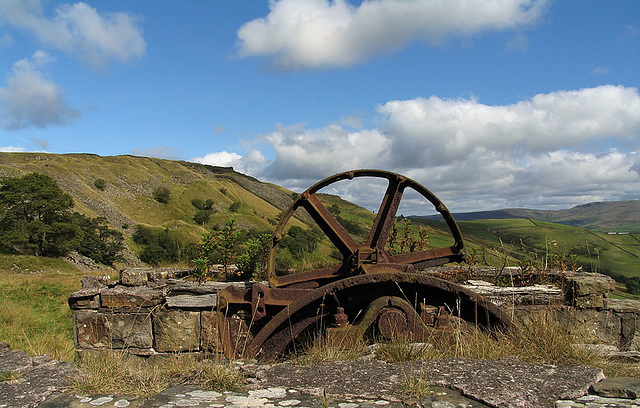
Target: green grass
{"points": [[34, 313], [541, 241]]}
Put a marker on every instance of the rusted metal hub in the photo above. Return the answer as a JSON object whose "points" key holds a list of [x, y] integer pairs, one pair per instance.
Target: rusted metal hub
{"points": [[372, 291], [392, 322]]}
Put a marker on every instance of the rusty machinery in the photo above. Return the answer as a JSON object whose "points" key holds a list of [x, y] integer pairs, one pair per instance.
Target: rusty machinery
{"points": [[372, 293]]}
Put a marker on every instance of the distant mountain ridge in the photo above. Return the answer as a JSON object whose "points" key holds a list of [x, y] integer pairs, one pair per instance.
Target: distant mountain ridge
{"points": [[615, 216]]}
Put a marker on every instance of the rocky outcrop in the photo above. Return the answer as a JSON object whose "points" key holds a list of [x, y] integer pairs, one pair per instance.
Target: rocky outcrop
{"points": [[28, 381]]}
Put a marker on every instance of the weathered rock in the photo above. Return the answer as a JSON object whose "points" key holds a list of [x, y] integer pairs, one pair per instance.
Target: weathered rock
{"points": [[595, 401], [507, 382], [176, 330], [134, 276], [193, 301], [181, 287], [130, 330], [588, 290], [517, 296], [36, 378], [90, 329], [96, 330], [597, 326], [86, 298], [622, 387], [136, 297]]}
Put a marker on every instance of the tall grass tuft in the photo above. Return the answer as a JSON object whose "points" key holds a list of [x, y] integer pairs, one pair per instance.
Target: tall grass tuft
{"points": [[119, 373]]}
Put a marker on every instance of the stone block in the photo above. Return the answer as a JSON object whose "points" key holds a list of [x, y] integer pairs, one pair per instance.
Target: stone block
{"points": [[90, 328], [136, 297], [588, 284], [134, 276], [85, 299], [590, 301], [207, 301], [209, 340], [597, 326], [126, 330], [176, 330], [99, 330], [621, 387]]}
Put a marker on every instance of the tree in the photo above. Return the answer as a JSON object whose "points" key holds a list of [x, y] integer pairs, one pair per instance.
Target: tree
{"points": [[35, 217], [228, 245], [97, 241]]}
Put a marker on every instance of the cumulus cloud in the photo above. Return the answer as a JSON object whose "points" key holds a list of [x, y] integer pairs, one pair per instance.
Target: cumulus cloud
{"points": [[29, 99], [552, 150], [437, 131], [78, 28], [251, 163], [322, 33]]}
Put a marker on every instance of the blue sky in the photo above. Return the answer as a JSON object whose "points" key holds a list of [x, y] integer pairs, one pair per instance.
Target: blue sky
{"points": [[490, 104]]}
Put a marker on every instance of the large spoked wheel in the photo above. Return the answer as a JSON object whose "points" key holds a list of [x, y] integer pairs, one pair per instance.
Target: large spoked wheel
{"points": [[358, 257], [372, 304], [373, 293]]}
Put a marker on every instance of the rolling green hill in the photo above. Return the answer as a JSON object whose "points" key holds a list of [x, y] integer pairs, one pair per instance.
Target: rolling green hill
{"points": [[126, 200], [608, 216]]}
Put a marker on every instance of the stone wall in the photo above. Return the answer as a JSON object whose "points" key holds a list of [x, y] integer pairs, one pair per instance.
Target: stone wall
{"points": [[157, 311]]}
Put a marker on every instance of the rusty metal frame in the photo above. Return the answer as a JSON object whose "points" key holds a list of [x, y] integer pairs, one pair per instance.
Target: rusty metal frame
{"points": [[375, 244], [291, 304]]}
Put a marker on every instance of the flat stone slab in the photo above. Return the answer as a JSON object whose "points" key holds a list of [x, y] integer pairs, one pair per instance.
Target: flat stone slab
{"points": [[206, 301], [273, 397], [623, 387], [501, 383], [509, 382], [35, 378], [364, 383]]}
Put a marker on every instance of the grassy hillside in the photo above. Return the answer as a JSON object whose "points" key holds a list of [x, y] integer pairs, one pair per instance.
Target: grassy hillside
{"points": [[127, 198], [538, 243], [608, 216]]}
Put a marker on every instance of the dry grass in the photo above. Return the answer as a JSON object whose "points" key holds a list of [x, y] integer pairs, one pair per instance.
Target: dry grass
{"points": [[542, 341], [329, 349], [119, 373]]}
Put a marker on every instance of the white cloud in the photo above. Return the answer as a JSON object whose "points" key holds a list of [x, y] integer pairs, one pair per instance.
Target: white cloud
{"points": [[78, 28], [322, 33], [303, 155], [251, 163], [222, 159], [6, 149], [29, 99], [438, 131], [553, 150]]}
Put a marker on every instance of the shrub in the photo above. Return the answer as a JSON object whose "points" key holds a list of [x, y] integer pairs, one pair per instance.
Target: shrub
{"points": [[235, 206], [161, 195], [100, 184], [159, 246], [202, 216]]}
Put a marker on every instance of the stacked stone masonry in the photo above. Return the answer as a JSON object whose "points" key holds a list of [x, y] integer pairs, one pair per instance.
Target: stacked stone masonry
{"points": [[158, 311]]}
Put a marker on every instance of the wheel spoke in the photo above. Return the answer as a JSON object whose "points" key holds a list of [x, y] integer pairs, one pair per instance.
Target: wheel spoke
{"points": [[329, 225], [383, 224]]}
